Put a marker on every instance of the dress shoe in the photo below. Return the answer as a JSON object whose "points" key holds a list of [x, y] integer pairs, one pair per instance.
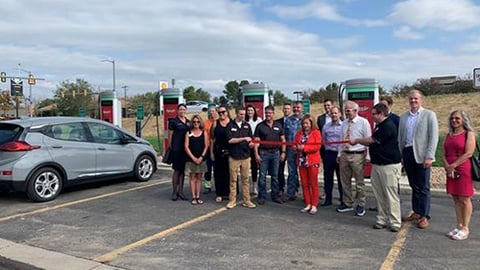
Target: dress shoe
{"points": [[422, 223], [174, 196], [412, 217], [182, 197], [326, 204], [277, 200], [261, 201]]}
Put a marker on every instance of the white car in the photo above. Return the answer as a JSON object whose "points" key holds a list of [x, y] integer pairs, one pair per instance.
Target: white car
{"points": [[197, 106]]}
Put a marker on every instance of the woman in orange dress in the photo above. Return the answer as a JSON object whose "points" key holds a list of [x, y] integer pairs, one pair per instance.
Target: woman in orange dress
{"points": [[458, 148]]}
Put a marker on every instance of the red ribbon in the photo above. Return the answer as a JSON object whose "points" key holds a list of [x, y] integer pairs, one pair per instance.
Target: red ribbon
{"points": [[292, 143]]}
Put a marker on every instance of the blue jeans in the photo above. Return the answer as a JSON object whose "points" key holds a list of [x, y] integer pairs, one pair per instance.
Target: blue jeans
{"points": [[419, 181], [292, 180], [269, 165], [330, 166]]}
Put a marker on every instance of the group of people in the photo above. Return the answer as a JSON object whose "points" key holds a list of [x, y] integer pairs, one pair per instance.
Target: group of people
{"points": [[247, 145]]}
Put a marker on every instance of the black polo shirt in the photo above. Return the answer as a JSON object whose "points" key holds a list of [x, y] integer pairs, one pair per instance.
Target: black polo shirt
{"points": [[267, 133], [384, 150], [239, 150]]}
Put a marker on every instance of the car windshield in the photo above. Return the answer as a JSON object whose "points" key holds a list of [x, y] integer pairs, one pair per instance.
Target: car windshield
{"points": [[9, 132]]}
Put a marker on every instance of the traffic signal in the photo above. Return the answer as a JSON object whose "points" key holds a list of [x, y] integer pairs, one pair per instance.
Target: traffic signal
{"points": [[31, 79], [3, 76]]}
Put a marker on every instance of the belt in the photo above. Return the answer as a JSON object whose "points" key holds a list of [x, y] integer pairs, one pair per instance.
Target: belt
{"points": [[354, 152]]}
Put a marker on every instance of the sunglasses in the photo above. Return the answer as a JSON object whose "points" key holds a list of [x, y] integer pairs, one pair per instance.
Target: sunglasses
{"points": [[222, 112], [196, 122]]}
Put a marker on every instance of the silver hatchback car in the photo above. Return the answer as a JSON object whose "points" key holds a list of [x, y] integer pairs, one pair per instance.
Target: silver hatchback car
{"points": [[42, 155]]}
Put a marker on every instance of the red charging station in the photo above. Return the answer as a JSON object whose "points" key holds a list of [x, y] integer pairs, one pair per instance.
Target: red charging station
{"points": [[257, 95], [169, 100], [365, 93], [110, 108]]}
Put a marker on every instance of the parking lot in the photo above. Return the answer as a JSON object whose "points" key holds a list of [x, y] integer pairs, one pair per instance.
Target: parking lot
{"points": [[131, 225]]}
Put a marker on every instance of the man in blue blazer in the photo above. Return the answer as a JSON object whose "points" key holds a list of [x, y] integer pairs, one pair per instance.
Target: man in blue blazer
{"points": [[417, 140]]}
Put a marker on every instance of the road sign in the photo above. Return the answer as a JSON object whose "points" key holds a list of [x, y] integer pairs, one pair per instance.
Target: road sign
{"points": [[16, 87], [306, 106], [476, 78], [140, 112], [82, 112]]}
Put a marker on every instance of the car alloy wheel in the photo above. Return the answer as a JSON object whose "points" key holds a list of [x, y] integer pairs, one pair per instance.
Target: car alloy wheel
{"points": [[144, 168], [44, 185]]}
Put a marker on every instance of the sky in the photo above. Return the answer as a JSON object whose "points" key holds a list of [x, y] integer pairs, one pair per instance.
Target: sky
{"points": [[289, 45]]}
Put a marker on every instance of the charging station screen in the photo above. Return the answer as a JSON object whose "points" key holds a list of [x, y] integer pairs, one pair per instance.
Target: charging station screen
{"points": [[107, 110]]}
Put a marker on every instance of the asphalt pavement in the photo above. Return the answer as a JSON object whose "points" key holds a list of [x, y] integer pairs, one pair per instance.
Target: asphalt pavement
{"points": [[136, 226]]}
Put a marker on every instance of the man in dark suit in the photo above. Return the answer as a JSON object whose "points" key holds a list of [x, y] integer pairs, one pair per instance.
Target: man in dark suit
{"points": [[287, 111], [321, 121]]}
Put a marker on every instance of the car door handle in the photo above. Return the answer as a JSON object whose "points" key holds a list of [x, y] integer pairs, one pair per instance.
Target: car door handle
{"points": [[102, 148], [57, 146]]}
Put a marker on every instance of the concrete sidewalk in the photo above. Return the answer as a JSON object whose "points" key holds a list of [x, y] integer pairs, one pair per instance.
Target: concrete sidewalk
{"points": [[44, 259]]}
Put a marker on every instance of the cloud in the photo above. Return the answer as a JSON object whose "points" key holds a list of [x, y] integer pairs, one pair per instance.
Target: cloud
{"points": [[438, 14], [320, 10], [406, 33]]}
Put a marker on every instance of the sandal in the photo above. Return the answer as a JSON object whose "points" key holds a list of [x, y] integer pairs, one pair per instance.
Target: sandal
{"points": [[199, 201], [218, 199], [194, 201], [460, 235]]}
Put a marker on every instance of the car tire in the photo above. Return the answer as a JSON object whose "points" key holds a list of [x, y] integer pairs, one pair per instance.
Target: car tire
{"points": [[144, 168], [44, 185]]}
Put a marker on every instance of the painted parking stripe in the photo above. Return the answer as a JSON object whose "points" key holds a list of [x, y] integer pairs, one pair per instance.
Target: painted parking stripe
{"points": [[63, 205], [107, 257], [397, 246]]}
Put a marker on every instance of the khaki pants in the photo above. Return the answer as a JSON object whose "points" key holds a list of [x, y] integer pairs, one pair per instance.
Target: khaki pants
{"points": [[385, 188], [352, 165], [244, 166]]}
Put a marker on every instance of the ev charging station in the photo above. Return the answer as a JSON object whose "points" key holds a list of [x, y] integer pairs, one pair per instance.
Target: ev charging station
{"points": [[365, 93], [169, 100], [256, 94], [110, 108]]}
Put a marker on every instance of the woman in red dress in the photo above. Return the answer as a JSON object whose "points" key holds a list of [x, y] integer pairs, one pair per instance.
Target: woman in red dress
{"points": [[458, 148], [308, 141]]}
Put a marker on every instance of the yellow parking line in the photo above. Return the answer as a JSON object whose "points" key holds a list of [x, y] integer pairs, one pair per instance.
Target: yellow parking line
{"points": [[49, 208], [107, 257], [397, 246]]}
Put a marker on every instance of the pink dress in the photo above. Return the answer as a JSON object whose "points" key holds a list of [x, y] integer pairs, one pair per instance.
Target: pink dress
{"points": [[454, 146]]}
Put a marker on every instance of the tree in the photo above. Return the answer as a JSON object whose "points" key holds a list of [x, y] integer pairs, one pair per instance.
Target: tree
{"points": [[190, 93], [71, 96], [148, 100], [6, 103], [279, 98], [233, 95]]}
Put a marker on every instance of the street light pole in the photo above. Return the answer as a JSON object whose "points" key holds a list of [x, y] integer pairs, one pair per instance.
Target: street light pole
{"points": [[113, 65], [126, 107]]}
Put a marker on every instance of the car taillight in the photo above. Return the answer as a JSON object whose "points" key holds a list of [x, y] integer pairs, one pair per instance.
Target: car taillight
{"points": [[17, 146]]}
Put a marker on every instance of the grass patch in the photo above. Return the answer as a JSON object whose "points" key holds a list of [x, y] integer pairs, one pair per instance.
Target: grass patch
{"points": [[154, 142]]}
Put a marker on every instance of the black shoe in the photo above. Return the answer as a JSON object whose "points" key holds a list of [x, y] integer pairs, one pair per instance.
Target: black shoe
{"points": [[174, 196], [277, 200], [182, 197], [261, 201], [207, 191], [326, 204], [293, 198]]}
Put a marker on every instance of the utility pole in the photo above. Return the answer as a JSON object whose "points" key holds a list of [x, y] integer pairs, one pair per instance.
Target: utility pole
{"points": [[126, 104]]}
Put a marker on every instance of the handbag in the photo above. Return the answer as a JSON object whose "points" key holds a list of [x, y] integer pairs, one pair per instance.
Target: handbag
{"points": [[475, 160], [167, 157]]}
